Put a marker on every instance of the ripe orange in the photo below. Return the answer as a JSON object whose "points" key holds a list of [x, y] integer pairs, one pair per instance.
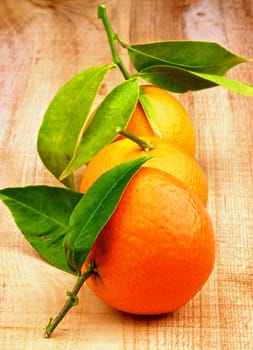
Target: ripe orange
{"points": [[168, 114], [157, 250], [167, 157]]}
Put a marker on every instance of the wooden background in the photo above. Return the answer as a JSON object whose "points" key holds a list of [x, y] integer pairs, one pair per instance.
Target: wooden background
{"points": [[43, 43]]}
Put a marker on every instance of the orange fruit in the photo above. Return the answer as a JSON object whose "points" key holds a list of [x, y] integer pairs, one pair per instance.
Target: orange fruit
{"points": [[169, 116], [167, 157], [157, 250]]}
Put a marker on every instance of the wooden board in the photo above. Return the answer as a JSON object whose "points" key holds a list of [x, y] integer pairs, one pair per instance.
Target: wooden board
{"points": [[42, 44]]}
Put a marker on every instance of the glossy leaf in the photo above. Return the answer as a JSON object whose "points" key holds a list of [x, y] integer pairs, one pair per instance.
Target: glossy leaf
{"points": [[114, 111], [42, 214], [95, 209], [65, 118], [174, 79], [230, 84], [180, 80], [199, 56], [149, 112]]}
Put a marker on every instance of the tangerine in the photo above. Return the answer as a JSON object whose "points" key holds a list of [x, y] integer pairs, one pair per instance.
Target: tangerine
{"points": [[157, 250], [167, 157], [170, 118]]}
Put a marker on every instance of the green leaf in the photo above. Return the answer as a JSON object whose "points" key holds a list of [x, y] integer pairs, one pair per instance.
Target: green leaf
{"points": [[95, 209], [174, 79], [199, 56], [42, 214], [149, 112], [230, 84], [114, 112], [65, 118], [181, 80]]}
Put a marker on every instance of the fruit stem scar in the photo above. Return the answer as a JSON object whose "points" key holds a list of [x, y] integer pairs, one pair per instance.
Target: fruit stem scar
{"points": [[144, 144], [71, 301], [112, 37]]}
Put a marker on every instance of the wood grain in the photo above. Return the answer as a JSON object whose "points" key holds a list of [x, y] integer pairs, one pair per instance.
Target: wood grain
{"points": [[42, 44]]}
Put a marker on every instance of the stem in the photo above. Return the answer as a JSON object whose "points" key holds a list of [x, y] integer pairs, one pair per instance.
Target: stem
{"points": [[144, 144], [112, 36], [71, 301], [121, 42]]}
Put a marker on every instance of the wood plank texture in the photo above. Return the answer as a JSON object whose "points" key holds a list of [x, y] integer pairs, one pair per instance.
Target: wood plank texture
{"points": [[42, 44]]}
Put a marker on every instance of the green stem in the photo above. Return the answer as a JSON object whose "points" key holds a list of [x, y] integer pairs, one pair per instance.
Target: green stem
{"points": [[121, 42], [71, 301], [144, 144], [112, 36]]}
